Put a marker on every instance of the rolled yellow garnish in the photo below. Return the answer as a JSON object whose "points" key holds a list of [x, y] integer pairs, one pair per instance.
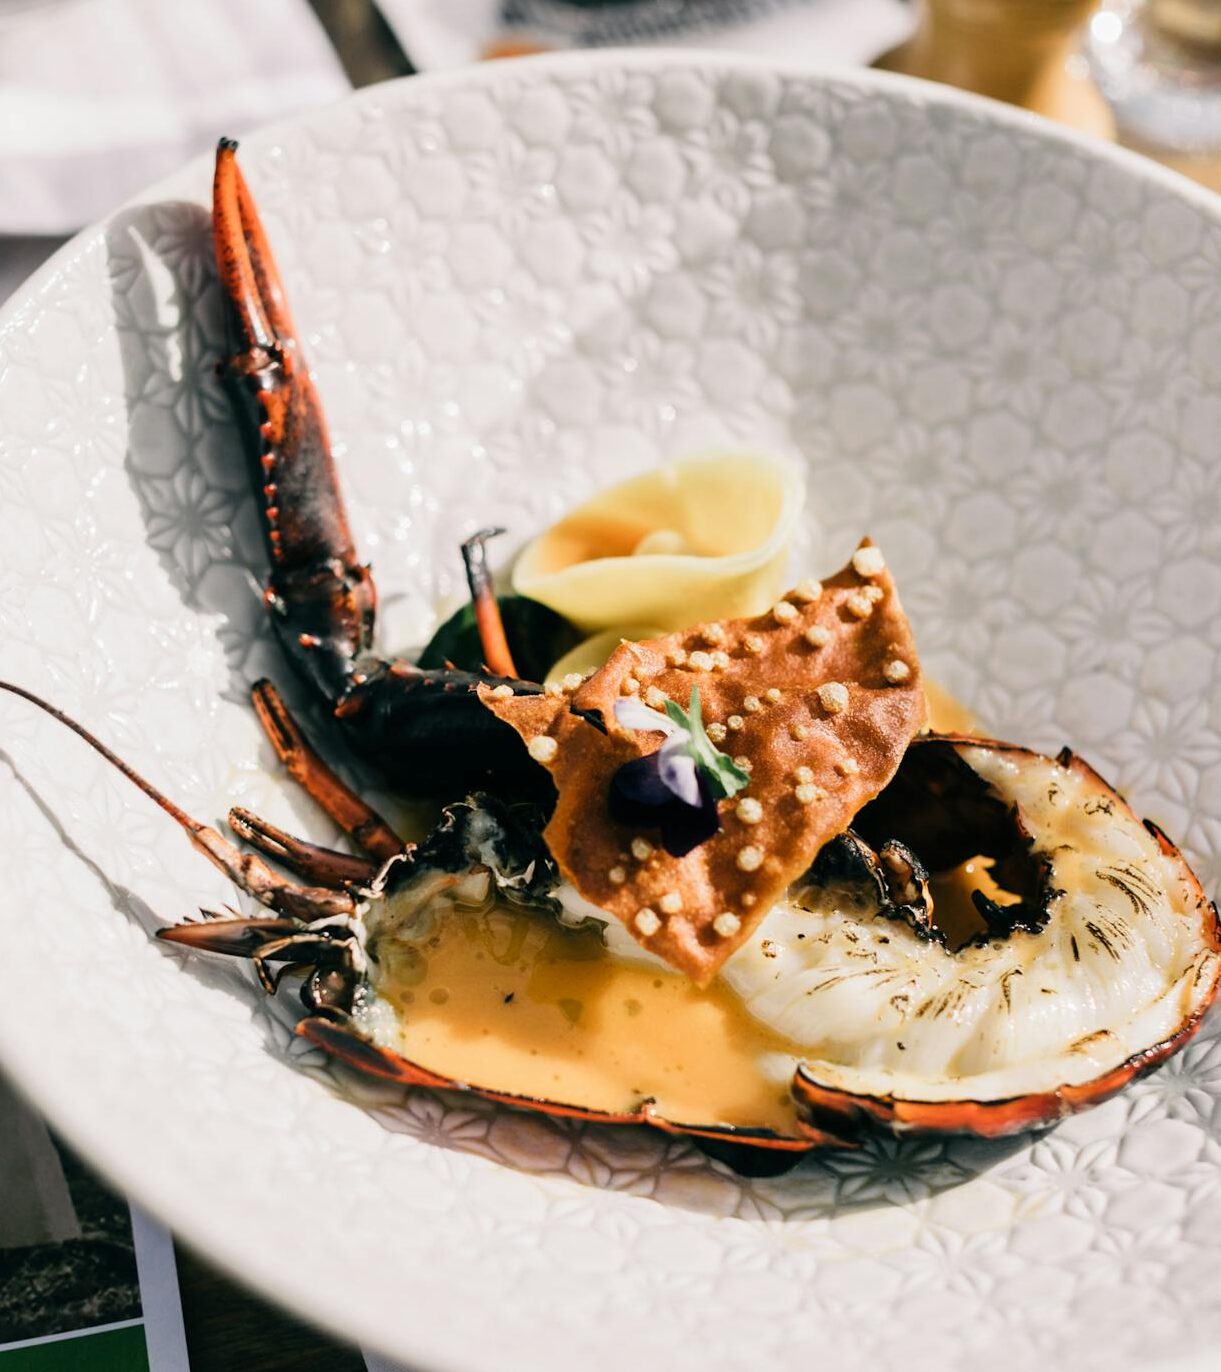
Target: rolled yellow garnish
{"points": [[702, 538]]}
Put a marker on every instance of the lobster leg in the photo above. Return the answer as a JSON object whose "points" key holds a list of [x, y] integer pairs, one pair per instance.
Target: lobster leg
{"points": [[320, 866], [328, 952], [239, 938], [254, 877], [362, 824], [245, 870], [322, 599]]}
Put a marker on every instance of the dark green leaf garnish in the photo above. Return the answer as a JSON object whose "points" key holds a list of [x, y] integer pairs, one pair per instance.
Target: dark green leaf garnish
{"points": [[722, 773], [537, 636]]}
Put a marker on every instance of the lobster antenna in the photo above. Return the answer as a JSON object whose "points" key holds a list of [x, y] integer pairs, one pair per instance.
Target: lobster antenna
{"points": [[192, 826], [243, 869]]}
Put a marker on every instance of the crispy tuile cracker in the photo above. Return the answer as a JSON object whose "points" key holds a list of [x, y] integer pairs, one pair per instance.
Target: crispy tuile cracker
{"points": [[850, 753]]}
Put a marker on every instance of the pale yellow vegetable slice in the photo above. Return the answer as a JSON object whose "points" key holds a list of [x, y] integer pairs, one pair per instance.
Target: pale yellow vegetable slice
{"points": [[592, 652], [702, 538]]}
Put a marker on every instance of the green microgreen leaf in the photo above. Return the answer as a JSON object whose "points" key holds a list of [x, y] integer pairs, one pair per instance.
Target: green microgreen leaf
{"points": [[725, 778], [678, 715]]}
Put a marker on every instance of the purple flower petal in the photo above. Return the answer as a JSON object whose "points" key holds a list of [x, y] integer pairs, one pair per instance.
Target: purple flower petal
{"points": [[639, 783], [684, 827], [665, 790], [641, 800]]}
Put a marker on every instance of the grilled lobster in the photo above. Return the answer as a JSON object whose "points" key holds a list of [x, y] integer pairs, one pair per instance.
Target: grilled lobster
{"points": [[428, 732]]}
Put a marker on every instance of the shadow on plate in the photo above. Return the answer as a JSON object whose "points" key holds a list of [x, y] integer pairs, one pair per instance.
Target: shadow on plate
{"points": [[884, 1171], [123, 900], [184, 458]]}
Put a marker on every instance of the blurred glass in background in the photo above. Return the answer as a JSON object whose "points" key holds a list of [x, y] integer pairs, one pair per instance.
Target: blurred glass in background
{"points": [[1158, 63]]}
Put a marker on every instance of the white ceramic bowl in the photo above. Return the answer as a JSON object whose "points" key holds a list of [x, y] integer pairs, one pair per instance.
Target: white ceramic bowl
{"points": [[997, 348]]}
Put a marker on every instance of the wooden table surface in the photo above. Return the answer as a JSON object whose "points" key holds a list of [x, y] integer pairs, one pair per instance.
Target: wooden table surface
{"points": [[228, 1328]]}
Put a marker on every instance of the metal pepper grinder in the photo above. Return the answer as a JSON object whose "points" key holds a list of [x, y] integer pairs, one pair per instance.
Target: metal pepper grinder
{"points": [[1025, 52]]}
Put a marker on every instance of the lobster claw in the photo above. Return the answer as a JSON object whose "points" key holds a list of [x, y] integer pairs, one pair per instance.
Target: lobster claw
{"points": [[322, 598], [425, 730]]}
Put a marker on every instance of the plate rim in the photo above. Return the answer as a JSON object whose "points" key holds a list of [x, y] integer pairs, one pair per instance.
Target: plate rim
{"points": [[418, 1343], [492, 72]]}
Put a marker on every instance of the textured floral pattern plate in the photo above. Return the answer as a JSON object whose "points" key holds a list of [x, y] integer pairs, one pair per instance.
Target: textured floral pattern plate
{"points": [[999, 351]]}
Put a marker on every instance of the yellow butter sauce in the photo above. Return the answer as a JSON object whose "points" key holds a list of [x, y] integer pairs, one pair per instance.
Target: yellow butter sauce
{"points": [[947, 714], [954, 911], [509, 1000]]}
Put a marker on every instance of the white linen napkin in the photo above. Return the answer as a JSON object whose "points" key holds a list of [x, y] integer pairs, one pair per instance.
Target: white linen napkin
{"points": [[100, 97], [439, 34]]}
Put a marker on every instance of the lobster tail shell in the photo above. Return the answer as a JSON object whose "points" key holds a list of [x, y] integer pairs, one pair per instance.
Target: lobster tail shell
{"points": [[733, 1144]]}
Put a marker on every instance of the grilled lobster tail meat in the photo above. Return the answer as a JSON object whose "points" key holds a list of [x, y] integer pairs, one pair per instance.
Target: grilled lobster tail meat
{"points": [[425, 731]]}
